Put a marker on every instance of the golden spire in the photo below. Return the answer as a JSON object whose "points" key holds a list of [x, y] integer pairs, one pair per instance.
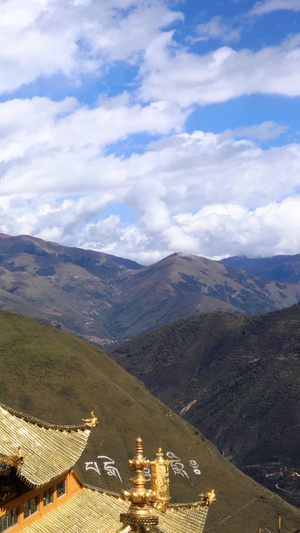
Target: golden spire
{"points": [[139, 512], [160, 482]]}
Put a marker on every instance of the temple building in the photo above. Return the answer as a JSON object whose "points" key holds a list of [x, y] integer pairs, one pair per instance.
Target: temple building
{"points": [[40, 491]]}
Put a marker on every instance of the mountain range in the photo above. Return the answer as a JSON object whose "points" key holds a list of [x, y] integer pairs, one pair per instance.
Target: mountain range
{"points": [[284, 268], [236, 378], [104, 298], [59, 378]]}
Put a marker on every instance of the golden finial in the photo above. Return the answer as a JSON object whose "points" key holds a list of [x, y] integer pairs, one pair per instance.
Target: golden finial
{"points": [[91, 422], [160, 455], [139, 511], [160, 482], [138, 452], [208, 498]]}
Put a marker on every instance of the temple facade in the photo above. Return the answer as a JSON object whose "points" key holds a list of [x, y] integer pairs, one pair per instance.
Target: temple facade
{"points": [[40, 491]]}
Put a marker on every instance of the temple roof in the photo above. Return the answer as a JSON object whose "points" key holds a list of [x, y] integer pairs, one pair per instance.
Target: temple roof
{"points": [[93, 510], [183, 517], [48, 450]]}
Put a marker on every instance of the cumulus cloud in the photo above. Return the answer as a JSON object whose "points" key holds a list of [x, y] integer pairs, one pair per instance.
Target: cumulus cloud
{"points": [[39, 38], [65, 171], [59, 146], [234, 230], [220, 75], [268, 6], [190, 192], [215, 231]]}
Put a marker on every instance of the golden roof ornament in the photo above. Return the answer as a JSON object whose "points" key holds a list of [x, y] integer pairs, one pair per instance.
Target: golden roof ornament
{"points": [[92, 421], [12, 460], [208, 498], [160, 482], [139, 513]]}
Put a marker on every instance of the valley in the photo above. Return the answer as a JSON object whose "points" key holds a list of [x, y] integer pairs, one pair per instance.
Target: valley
{"points": [[219, 346], [236, 378]]}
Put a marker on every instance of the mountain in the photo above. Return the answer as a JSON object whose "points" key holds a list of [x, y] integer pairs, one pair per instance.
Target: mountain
{"points": [[101, 297], [65, 287], [284, 268], [59, 378], [237, 379], [180, 286]]}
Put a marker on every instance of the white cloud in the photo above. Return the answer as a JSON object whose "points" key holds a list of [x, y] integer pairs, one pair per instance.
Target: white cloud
{"points": [[44, 37], [233, 230], [61, 177], [49, 146], [263, 132], [218, 28], [268, 6], [216, 167], [199, 193], [220, 75], [215, 231]]}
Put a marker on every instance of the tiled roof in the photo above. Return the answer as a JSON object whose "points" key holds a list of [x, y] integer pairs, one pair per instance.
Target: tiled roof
{"points": [[95, 511], [88, 511], [183, 518], [48, 450]]}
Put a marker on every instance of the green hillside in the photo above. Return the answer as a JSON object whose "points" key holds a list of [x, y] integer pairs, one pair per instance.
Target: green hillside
{"points": [[59, 378], [237, 379]]}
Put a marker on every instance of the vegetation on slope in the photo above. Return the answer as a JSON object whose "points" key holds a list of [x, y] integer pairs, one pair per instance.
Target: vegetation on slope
{"points": [[59, 378], [236, 378]]}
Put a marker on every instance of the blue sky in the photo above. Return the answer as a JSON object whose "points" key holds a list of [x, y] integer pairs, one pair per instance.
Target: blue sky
{"points": [[142, 128]]}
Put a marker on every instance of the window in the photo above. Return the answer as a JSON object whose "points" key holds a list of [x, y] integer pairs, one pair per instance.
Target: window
{"points": [[61, 488], [9, 519], [30, 507], [48, 496]]}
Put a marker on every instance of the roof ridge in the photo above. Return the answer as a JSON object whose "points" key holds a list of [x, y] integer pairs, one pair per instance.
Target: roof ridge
{"points": [[187, 505], [41, 423], [101, 490]]}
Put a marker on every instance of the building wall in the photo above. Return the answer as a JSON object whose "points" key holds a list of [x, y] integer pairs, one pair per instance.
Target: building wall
{"points": [[73, 485]]}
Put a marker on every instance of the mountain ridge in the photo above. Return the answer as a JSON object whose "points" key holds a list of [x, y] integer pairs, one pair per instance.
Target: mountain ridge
{"points": [[283, 268], [104, 298]]}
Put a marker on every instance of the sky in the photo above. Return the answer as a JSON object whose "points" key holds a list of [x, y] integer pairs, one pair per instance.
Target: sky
{"points": [[141, 128]]}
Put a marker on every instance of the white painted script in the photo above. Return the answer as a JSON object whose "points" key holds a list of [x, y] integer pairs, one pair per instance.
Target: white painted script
{"points": [[176, 465], [108, 466], [195, 467], [92, 465]]}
